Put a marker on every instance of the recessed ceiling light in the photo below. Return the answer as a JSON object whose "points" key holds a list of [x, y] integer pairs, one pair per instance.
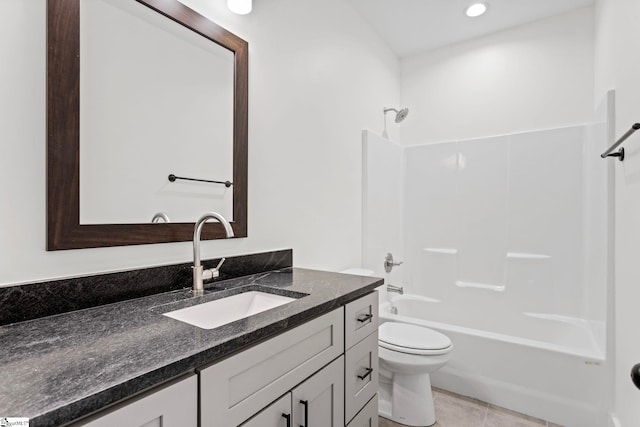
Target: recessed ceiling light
{"points": [[476, 9], [240, 7]]}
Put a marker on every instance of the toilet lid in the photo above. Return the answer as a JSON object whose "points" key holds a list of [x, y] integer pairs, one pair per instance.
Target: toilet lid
{"points": [[413, 339]]}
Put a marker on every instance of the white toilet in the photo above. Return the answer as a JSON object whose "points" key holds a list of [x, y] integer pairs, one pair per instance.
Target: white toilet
{"points": [[407, 355]]}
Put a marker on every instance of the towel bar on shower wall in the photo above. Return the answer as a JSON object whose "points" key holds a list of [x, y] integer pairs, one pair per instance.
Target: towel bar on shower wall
{"points": [[620, 153]]}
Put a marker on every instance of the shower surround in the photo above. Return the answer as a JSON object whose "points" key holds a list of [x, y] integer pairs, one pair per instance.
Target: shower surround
{"points": [[504, 242]]}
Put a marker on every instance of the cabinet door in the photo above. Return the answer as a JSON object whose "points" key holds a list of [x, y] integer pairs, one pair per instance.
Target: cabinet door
{"points": [[361, 375], [319, 401], [173, 406], [368, 416], [278, 414]]}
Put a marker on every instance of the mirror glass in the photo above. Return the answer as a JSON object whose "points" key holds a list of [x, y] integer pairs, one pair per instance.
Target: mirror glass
{"points": [[155, 99], [138, 90]]}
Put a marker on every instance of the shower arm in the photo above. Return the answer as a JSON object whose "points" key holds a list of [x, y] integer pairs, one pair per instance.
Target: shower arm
{"points": [[400, 116], [623, 138]]}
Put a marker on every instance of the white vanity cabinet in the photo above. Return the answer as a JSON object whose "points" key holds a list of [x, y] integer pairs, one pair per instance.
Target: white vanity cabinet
{"points": [[175, 405], [307, 367]]}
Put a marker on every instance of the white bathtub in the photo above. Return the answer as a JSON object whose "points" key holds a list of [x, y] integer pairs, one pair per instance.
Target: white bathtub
{"points": [[538, 364]]}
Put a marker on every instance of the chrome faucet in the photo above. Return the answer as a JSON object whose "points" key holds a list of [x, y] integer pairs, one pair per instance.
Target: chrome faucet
{"points": [[199, 274], [397, 289]]}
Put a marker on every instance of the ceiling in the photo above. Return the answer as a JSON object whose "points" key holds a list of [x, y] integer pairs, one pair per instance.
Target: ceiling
{"points": [[414, 26]]}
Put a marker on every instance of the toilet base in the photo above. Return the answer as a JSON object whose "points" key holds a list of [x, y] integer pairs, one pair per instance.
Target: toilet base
{"points": [[408, 400]]}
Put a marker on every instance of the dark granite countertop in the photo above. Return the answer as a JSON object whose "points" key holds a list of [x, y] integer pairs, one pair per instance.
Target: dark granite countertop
{"points": [[59, 368]]}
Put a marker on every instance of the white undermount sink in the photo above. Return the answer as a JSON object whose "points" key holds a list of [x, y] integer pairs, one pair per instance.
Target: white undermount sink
{"points": [[219, 312]]}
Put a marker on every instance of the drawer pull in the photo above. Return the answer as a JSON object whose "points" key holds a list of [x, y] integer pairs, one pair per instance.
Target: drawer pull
{"points": [[306, 412], [288, 418], [364, 317], [368, 372]]}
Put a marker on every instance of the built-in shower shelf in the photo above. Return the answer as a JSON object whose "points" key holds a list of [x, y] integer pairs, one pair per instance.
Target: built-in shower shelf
{"points": [[476, 285], [511, 255], [524, 255], [445, 251]]}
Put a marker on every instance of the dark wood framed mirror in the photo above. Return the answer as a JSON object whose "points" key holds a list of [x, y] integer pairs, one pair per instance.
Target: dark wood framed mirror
{"points": [[64, 229]]}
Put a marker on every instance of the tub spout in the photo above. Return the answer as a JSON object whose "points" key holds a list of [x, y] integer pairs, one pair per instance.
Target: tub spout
{"points": [[397, 289]]}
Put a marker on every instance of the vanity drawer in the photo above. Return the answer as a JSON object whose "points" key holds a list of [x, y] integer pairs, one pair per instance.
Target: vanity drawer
{"points": [[173, 405], [368, 417], [235, 388], [360, 374], [361, 318]]}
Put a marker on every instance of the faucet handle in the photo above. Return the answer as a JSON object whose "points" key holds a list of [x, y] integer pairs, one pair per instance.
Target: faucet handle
{"points": [[212, 273], [389, 263]]}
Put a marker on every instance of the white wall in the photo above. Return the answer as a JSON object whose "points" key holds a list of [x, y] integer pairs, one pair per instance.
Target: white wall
{"points": [[617, 35], [534, 76], [318, 76]]}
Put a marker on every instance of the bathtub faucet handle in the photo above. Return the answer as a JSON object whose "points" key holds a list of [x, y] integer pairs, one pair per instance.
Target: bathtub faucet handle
{"points": [[389, 263]]}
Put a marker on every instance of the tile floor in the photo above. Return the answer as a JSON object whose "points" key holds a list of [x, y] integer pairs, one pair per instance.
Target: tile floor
{"points": [[453, 410]]}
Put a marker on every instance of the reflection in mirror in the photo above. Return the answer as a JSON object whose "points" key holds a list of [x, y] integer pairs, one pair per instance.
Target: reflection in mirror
{"points": [[170, 92], [179, 108]]}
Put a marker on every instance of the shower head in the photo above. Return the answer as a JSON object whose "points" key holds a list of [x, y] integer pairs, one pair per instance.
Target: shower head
{"points": [[400, 115]]}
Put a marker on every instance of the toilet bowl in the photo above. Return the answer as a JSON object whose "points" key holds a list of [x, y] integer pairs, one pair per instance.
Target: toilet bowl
{"points": [[407, 355]]}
